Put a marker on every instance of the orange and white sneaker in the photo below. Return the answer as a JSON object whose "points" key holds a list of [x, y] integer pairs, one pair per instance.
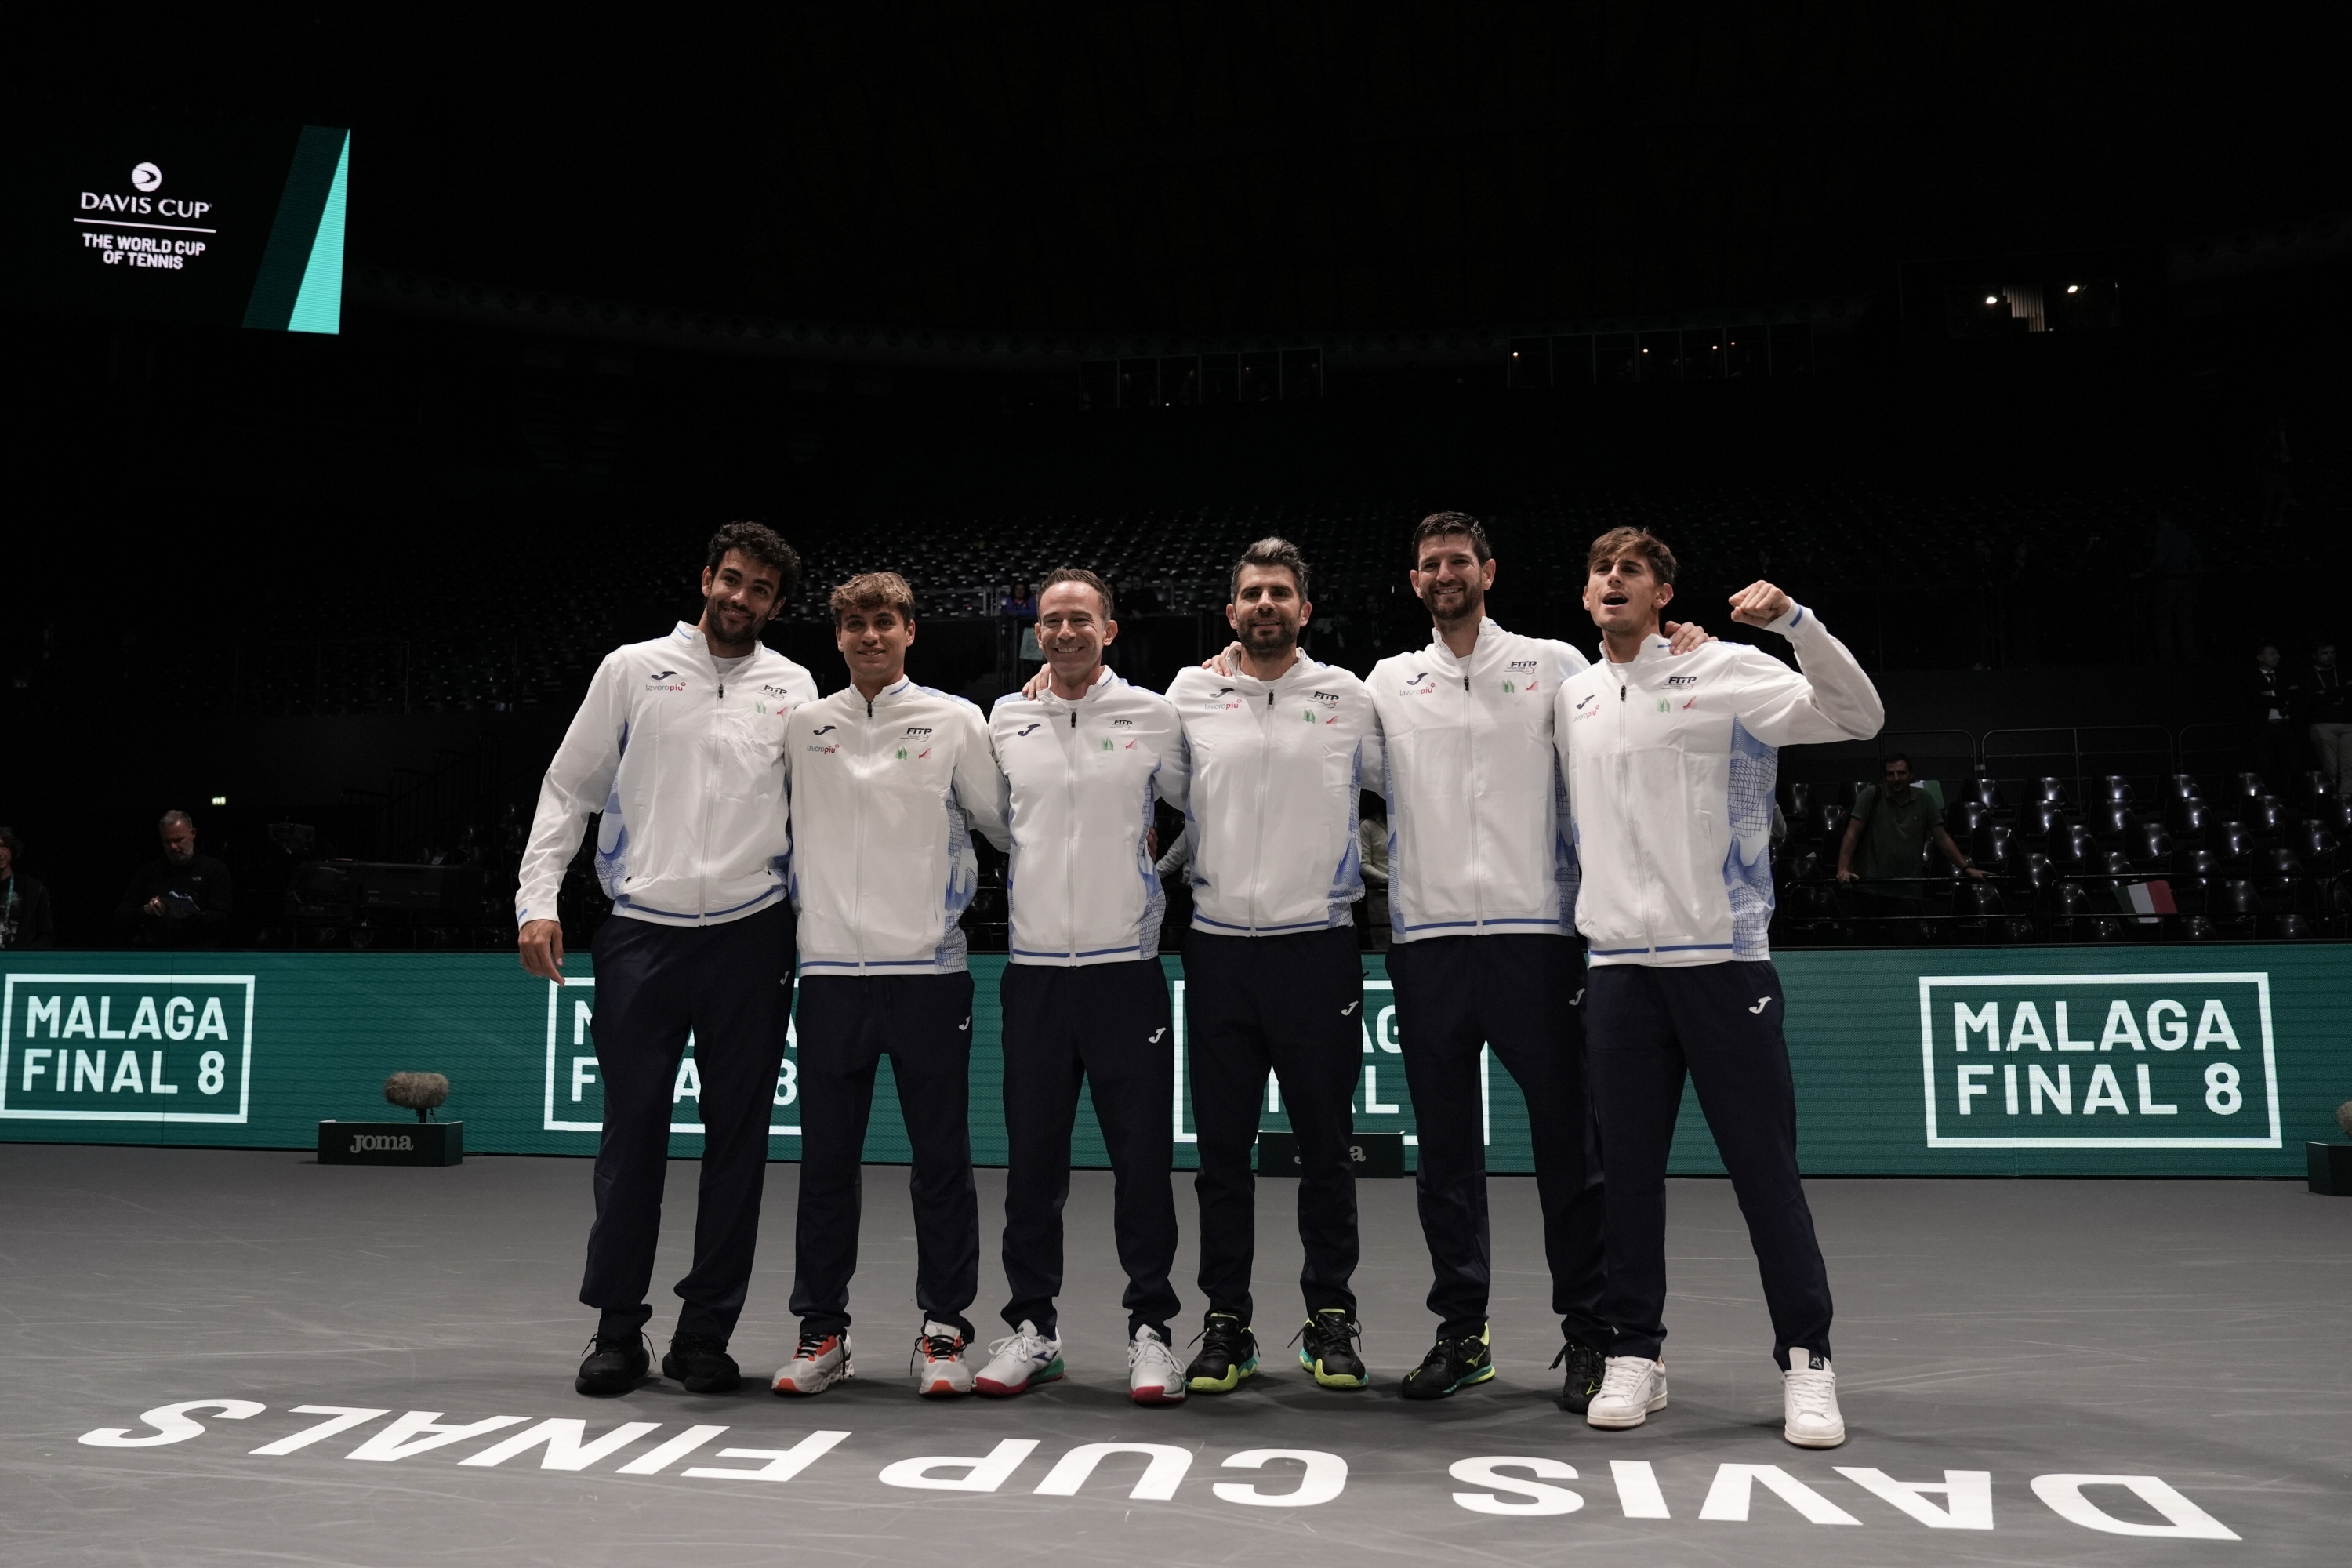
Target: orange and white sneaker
{"points": [[938, 1363], [819, 1360]]}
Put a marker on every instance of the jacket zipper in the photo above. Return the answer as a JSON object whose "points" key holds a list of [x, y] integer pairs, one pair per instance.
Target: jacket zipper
{"points": [[1070, 848], [1633, 829], [1264, 773], [857, 880], [1470, 750], [711, 772]]}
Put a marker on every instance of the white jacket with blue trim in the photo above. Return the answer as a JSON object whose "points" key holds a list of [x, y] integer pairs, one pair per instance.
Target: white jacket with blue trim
{"points": [[1082, 885], [1478, 840], [1275, 768], [687, 769], [1670, 765], [884, 795]]}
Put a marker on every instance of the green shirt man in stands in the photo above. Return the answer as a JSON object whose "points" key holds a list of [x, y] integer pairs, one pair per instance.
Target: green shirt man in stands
{"points": [[1883, 836]]}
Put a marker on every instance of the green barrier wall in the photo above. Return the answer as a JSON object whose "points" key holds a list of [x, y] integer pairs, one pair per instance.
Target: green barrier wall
{"points": [[2112, 1061]]}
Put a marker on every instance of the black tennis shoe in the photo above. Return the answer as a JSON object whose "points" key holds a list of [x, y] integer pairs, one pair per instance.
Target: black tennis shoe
{"points": [[1451, 1363], [700, 1362], [1326, 1347], [614, 1367], [1586, 1367], [1228, 1354]]}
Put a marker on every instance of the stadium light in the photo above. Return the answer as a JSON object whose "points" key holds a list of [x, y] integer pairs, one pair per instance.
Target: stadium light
{"points": [[1992, 299], [2074, 288], [220, 800]]}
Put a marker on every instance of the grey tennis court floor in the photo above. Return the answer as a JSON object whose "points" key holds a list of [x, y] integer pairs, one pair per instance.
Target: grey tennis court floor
{"points": [[2183, 1344]]}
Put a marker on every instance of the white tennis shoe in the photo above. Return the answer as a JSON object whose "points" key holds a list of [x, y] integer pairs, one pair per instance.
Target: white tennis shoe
{"points": [[819, 1360], [1153, 1375], [938, 1362], [1019, 1361], [1631, 1388], [1808, 1402]]}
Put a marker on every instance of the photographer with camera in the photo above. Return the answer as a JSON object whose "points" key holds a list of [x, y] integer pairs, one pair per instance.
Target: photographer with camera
{"points": [[183, 899]]}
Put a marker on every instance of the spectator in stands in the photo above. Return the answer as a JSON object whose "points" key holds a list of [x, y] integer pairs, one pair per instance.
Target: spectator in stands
{"points": [[2171, 575], [2328, 709], [2274, 473], [1022, 605], [2270, 715], [1884, 839], [182, 900], [24, 917]]}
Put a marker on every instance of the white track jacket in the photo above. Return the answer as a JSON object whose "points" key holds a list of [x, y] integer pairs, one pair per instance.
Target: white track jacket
{"points": [[880, 794], [1478, 838], [688, 772], [1082, 884], [1276, 769], [1670, 765]]}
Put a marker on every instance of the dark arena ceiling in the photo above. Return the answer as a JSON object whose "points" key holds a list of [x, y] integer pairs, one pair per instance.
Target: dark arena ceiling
{"points": [[1068, 168]]}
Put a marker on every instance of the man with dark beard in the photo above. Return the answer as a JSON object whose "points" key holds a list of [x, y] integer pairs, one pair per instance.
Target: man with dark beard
{"points": [[1482, 902], [1277, 751], [680, 746]]}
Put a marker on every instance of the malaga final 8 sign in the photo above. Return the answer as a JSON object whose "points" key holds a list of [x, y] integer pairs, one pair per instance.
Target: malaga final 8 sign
{"points": [[2055, 1061], [230, 224]]}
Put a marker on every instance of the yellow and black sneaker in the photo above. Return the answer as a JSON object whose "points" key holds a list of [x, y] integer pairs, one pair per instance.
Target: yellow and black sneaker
{"points": [[1586, 1368], [1451, 1363], [1228, 1354], [1326, 1347]]}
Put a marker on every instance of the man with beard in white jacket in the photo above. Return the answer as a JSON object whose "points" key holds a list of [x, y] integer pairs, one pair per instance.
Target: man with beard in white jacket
{"points": [[1481, 899], [1669, 765], [1279, 751], [1085, 755], [680, 744], [888, 778]]}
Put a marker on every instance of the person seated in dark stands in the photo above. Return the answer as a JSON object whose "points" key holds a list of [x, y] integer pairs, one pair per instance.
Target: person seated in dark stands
{"points": [[1022, 605], [1884, 839], [182, 900], [2325, 706], [24, 917], [2270, 704]]}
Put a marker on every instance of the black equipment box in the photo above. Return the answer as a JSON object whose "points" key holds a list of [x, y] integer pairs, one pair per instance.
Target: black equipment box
{"points": [[2330, 1168], [391, 1142], [1374, 1154]]}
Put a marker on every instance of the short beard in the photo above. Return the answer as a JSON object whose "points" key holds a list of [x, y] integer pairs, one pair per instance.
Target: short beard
{"points": [[1474, 603], [712, 612], [1285, 636]]}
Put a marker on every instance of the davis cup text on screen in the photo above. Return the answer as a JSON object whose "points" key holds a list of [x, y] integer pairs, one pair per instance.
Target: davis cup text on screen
{"points": [[2058, 1061], [1505, 1485], [183, 1041]]}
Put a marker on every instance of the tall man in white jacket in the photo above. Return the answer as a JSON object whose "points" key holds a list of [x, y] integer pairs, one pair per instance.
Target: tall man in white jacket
{"points": [[1482, 898], [680, 744], [1084, 998], [886, 779], [1669, 765], [1279, 751]]}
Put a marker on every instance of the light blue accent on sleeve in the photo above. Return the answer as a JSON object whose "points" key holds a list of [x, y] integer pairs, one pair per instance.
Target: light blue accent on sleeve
{"points": [[1748, 860]]}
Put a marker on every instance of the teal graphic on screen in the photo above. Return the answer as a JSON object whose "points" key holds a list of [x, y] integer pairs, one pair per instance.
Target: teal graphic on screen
{"points": [[224, 224]]}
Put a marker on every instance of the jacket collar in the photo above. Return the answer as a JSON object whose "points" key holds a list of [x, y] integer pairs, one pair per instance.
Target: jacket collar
{"points": [[1105, 679], [689, 637], [1654, 649], [1490, 637], [1303, 668]]}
